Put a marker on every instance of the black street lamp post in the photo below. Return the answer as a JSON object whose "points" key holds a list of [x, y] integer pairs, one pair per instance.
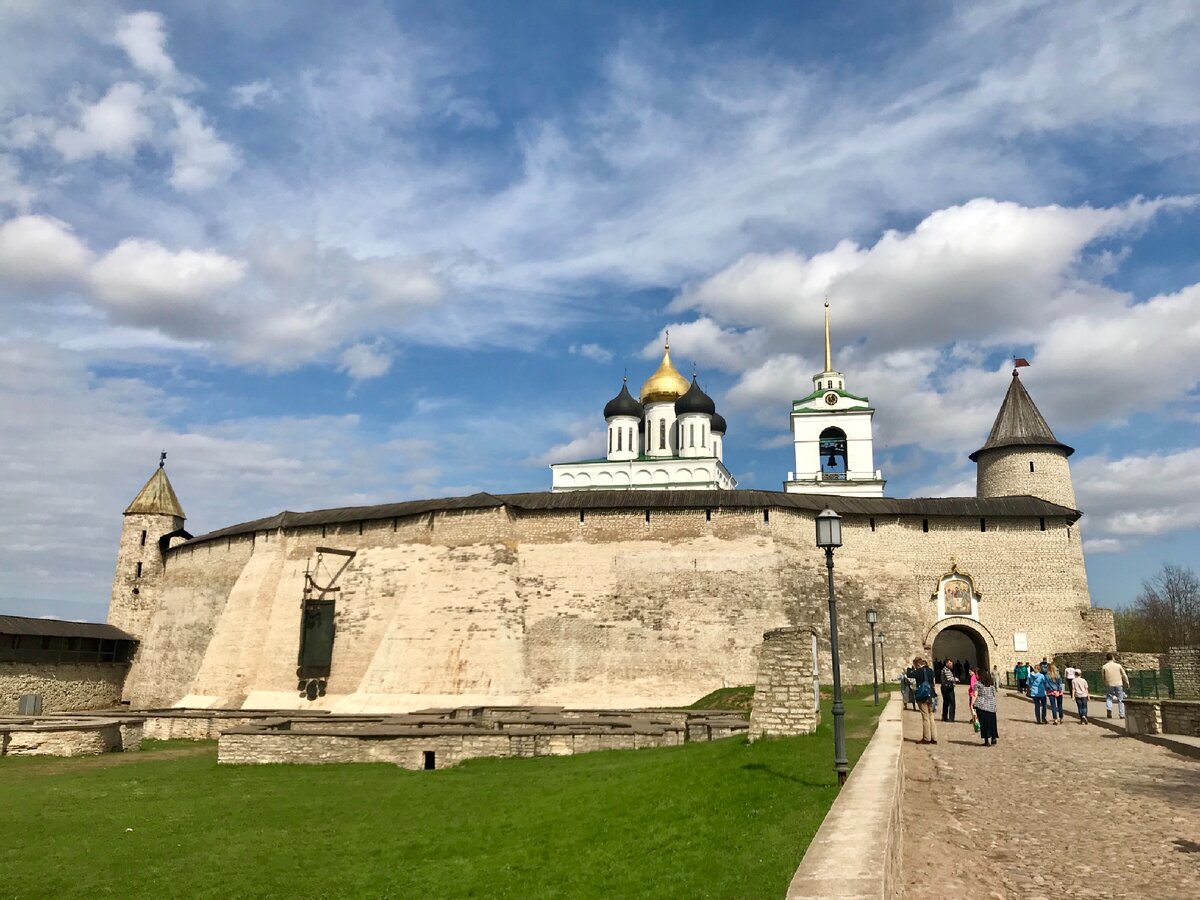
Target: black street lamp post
{"points": [[829, 536], [872, 618], [882, 658]]}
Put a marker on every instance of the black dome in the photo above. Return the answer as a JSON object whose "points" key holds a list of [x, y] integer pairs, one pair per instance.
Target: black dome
{"points": [[718, 423], [695, 401], [623, 405]]}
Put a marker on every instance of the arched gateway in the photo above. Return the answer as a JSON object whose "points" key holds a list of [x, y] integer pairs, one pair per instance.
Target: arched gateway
{"points": [[958, 637]]}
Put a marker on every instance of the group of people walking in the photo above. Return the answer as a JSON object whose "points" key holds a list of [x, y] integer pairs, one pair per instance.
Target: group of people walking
{"points": [[1043, 684], [1044, 687], [921, 681]]}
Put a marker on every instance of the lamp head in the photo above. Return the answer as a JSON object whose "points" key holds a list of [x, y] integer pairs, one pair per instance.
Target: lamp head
{"points": [[872, 617], [829, 529]]}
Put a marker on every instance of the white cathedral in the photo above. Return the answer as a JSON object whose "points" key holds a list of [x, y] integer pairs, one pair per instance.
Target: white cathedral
{"points": [[672, 438]]}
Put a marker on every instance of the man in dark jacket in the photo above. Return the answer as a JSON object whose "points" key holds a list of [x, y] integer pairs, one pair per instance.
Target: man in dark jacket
{"points": [[948, 683]]}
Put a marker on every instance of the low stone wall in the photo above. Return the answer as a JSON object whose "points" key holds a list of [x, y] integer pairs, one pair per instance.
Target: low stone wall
{"points": [[210, 724], [1143, 717], [1090, 661], [64, 687], [62, 736], [408, 750], [857, 850], [785, 694], [1163, 717], [1180, 717], [437, 738], [1185, 666]]}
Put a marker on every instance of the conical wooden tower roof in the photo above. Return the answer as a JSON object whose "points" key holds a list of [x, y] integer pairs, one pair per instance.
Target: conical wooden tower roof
{"points": [[1020, 423], [157, 497]]}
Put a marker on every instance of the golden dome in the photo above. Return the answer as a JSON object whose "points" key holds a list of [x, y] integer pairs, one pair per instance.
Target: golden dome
{"points": [[666, 383]]}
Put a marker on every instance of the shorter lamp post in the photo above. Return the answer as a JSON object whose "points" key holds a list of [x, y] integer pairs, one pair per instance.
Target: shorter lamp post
{"points": [[872, 618], [829, 536], [882, 658]]}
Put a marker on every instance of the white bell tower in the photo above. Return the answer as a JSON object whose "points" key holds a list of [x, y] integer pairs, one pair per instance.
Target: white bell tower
{"points": [[831, 429]]}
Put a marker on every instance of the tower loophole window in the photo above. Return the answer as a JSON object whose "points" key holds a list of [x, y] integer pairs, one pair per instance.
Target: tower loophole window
{"points": [[1031, 465], [834, 461], [139, 571], [143, 537]]}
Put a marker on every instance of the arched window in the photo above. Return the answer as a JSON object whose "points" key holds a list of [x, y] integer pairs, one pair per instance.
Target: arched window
{"points": [[834, 462], [632, 446], [692, 434], [703, 435], [620, 433], [610, 440], [662, 434]]}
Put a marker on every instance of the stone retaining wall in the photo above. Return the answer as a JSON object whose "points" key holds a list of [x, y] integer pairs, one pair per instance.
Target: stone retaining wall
{"points": [[1163, 717], [1091, 661], [857, 850], [1185, 665], [1181, 717], [1143, 717], [36, 736], [64, 687], [408, 750], [785, 695]]}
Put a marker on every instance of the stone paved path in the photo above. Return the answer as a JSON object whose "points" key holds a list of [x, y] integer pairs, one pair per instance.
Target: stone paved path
{"points": [[1051, 812]]}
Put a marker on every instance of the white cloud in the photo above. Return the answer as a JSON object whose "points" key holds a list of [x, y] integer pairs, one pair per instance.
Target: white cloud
{"points": [[41, 251], [1140, 495], [13, 191], [1103, 545], [253, 94], [706, 343], [365, 361], [139, 274], [114, 126], [200, 158], [143, 36], [594, 352], [984, 267], [589, 445], [916, 315]]}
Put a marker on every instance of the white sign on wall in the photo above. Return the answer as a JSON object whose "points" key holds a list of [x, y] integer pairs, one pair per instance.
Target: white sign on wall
{"points": [[1020, 642]]}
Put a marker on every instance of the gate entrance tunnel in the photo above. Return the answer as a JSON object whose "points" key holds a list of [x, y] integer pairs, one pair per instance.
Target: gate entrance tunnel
{"points": [[960, 642]]}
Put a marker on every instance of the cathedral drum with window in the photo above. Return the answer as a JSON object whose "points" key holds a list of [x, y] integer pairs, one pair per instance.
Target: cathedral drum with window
{"points": [[643, 578]]}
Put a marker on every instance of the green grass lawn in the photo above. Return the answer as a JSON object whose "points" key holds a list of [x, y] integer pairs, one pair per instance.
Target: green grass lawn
{"points": [[722, 819]]}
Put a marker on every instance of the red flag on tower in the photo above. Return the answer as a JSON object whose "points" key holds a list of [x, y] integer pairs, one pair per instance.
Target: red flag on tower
{"points": [[1019, 361]]}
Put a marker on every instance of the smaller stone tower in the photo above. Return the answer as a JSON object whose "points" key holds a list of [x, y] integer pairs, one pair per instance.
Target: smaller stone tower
{"points": [[151, 520], [1022, 457]]}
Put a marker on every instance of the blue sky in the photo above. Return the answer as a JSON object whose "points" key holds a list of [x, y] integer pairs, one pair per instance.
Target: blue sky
{"points": [[335, 254]]}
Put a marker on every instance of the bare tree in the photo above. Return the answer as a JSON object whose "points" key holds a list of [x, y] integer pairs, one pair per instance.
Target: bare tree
{"points": [[1166, 613]]}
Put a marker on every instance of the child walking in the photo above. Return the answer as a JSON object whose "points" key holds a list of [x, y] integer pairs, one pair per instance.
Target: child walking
{"points": [[1079, 690]]}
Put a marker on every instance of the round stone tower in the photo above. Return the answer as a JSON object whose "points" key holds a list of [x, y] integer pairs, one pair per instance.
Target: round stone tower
{"points": [[1022, 457], [151, 521]]}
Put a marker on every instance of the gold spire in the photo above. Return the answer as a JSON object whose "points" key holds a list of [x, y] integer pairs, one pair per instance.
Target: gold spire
{"points": [[666, 383], [828, 351]]}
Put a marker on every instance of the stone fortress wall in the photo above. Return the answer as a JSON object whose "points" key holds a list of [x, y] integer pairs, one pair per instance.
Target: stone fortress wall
{"points": [[63, 686], [617, 607]]}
